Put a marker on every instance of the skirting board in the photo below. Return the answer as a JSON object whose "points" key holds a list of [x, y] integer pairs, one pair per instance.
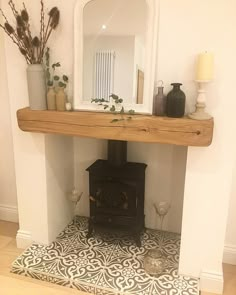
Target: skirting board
{"points": [[23, 239], [212, 282], [9, 213], [230, 254]]}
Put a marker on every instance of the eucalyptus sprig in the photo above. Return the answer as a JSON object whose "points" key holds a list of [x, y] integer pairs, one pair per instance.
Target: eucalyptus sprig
{"points": [[64, 81], [54, 78], [115, 107], [50, 77]]}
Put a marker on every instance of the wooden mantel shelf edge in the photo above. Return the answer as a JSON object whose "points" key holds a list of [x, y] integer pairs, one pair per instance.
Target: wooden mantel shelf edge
{"points": [[141, 128]]}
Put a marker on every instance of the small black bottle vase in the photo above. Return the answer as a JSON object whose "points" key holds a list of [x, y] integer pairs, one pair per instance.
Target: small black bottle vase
{"points": [[176, 98]]}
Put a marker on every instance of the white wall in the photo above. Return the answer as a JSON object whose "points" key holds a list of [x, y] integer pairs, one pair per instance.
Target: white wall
{"points": [[230, 240], [8, 202], [60, 181], [178, 170], [158, 178], [187, 28], [124, 47]]}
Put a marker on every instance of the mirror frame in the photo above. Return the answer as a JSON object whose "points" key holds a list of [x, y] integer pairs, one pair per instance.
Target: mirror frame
{"points": [[150, 59]]}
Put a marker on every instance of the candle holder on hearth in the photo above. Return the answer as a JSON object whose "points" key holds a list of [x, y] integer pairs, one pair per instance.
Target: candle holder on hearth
{"points": [[162, 208], [74, 196], [155, 262]]}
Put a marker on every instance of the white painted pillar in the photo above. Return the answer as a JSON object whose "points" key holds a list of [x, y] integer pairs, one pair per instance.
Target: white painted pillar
{"points": [[43, 177], [8, 201], [207, 191], [29, 156], [208, 187]]}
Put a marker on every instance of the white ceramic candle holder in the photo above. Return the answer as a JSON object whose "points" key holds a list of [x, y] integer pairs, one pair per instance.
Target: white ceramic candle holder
{"points": [[200, 113]]}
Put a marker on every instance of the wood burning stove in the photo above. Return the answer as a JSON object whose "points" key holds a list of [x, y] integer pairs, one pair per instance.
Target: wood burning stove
{"points": [[117, 192]]}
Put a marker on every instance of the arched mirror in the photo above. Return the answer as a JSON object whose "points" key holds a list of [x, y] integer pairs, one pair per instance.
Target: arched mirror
{"points": [[115, 52]]}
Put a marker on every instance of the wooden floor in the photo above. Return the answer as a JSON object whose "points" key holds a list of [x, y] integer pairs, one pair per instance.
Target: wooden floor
{"points": [[11, 284]]}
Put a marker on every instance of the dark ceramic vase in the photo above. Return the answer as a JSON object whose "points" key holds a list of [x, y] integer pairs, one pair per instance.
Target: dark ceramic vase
{"points": [[176, 98]]}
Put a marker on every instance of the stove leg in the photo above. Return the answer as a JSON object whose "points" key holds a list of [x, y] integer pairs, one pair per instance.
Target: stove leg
{"points": [[90, 229], [137, 239]]}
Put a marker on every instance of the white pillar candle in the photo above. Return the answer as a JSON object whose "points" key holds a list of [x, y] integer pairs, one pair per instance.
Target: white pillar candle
{"points": [[205, 66]]}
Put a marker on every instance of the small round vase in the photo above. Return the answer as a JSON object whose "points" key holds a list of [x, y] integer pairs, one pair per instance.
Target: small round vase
{"points": [[176, 98], [51, 99], [61, 99], [155, 262]]}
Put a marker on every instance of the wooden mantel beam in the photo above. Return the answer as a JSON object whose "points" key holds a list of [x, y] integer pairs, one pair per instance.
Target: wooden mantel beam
{"points": [[141, 128]]}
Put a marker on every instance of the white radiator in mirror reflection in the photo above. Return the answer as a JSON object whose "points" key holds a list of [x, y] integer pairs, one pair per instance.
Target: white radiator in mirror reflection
{"points": [[104, 74]]}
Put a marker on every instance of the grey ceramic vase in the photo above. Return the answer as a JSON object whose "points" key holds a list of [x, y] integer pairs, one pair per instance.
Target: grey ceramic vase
{"points": [[159, 102], [176, 98], [36, 87]]}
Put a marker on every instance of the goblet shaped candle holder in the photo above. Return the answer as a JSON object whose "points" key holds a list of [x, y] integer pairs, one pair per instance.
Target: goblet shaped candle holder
{"points": [[162, 208], [155, 261]]}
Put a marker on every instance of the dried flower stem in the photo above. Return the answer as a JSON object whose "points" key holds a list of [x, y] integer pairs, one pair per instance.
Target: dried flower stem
{"points": [[29, 32], [32, 48], [44, 39], [16, 42], [47, 37], [3, 15], [13, 8], [28, 49], [28, 25], [42, 29]]}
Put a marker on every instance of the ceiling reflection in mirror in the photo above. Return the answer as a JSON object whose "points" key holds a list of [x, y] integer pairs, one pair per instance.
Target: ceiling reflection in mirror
{"points": [[114, 38]]}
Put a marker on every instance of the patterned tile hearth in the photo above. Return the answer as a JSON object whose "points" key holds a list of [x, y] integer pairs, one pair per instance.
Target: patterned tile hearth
{"points": [[106, 264]]}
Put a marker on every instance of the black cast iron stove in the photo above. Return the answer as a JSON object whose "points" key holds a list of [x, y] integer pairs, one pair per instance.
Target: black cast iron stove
{"points": [[117, 192]]}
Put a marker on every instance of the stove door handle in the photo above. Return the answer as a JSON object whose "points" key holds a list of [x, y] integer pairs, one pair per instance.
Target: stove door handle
{"points": [[92, 199]]}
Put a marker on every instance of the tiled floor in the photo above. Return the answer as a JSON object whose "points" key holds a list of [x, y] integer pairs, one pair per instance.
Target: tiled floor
{"points": [[11, 284], [107, 264]]}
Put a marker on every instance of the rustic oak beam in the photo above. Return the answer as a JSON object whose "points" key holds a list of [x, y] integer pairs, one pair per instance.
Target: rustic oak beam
{"points": [[141, 128]]}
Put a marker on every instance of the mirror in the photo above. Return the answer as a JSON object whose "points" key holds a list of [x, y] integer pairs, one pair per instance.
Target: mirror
{"points": [[115, 52]]}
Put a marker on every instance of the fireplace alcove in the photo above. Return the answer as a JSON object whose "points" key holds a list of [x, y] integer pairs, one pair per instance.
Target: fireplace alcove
{"points": [[142, 128]]}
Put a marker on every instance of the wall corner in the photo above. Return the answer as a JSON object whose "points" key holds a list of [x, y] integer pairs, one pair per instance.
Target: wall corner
{"points": [[23, 239], [229, 254], [212, 282]]}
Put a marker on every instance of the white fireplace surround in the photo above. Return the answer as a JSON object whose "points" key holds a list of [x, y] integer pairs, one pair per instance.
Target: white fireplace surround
{"points": [[44, 174]]}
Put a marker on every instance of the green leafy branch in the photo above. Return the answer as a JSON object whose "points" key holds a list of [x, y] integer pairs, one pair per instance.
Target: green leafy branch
{"points": [[64, 81], [115, 107], [52, 78]]}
